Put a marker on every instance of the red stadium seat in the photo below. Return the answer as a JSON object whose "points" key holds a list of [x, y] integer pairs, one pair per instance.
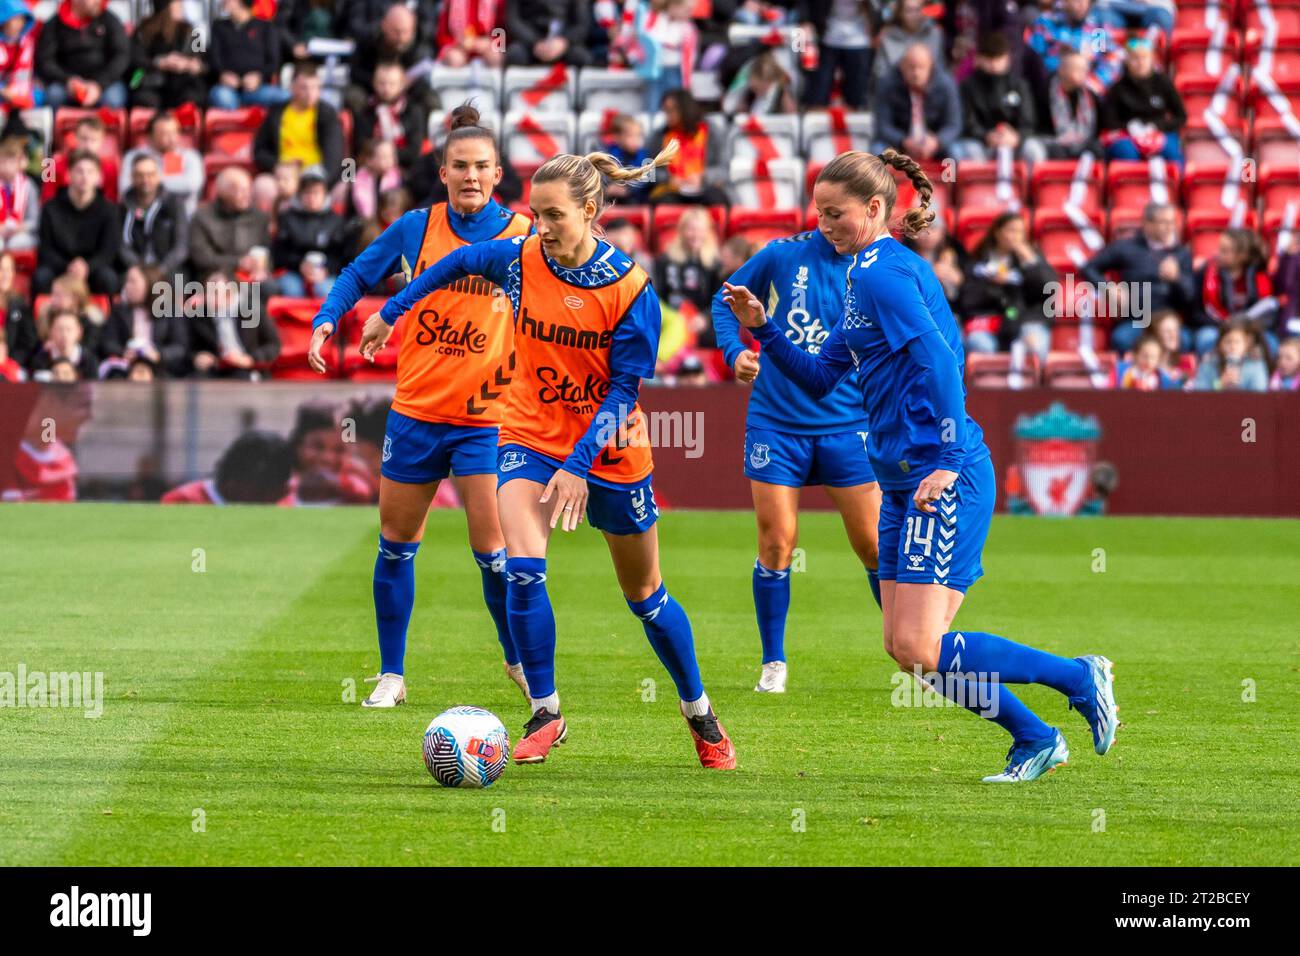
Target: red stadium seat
{"points": [[1214, 186], [1075, 370], [65, 123], [1058, 181], [1285, 18], [664, 224], [1062, 238], [345, 126], [1068, 338], [229, 133], [762, 225], [1190, 17], [638, 216], [989, 184], [1282, 62], [1126, 220], [1134, 184], [1279, 184], [292, 318], [1275, 140], [1204, 52], [1224, 96], [997, 370], [356, 368], [1277, 221]]}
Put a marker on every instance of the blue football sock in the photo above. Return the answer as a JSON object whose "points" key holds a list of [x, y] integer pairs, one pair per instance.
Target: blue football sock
{"points": [[532, 622], [973, 652], [669, 632], [492, 566], [873, 578], [771, 604], [995, 702], [394, 591]]}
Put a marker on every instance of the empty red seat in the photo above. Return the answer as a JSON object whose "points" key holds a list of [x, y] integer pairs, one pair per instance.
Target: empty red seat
{"points": [[990, 184], [1285, 19], [1001, 370], [292, 318], [1062, 237], [1056, 182], [1068, 338], [1282, 62], [356, 368], [1134, 184], [1276, 141], [229, 133], [1204, 52], [1279, 184], [1079, 370], [1214, 186], [761, 225]]}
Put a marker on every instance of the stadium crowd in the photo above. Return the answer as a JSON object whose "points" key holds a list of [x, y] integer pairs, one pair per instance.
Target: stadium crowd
{"points": [[1116, 180]]}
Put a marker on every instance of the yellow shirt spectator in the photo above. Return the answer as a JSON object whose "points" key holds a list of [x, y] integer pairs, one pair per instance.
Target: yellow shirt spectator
{"points": [[298, 136]]}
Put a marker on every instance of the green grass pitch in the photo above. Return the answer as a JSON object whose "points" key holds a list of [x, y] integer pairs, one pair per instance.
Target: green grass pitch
{"points": [[224, 693]]}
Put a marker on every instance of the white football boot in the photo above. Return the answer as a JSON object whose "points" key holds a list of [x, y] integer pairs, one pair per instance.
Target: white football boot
{"points": [[390, 691], [516, 673], [772, 680]]}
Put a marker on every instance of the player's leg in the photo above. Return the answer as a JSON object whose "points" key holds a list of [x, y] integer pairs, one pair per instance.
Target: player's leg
{"points": [[636, 564], [859, 508], [403, 508], [527, 531], [474, 468], [776, 509]]}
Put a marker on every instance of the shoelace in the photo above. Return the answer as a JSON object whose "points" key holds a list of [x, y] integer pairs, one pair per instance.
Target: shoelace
{"points": [[707, 727], [538, 721]]}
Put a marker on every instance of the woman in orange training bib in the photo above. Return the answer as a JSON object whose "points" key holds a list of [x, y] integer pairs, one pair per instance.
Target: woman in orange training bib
{"points": [[573, 437], [454, 369]]}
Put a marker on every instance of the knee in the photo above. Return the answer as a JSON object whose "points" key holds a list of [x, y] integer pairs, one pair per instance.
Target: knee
{"points": [[913, 650], [776, 543], [400, 531]]}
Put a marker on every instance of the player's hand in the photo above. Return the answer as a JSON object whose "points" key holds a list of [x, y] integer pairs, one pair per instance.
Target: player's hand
{"points": [[932, 486], [747, 366], [570, 495], [744, 306], [318, 337], [374, 336]]}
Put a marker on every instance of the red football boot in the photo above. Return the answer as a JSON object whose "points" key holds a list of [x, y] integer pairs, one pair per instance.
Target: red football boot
{"points": [[711, 742], [543, 731]]}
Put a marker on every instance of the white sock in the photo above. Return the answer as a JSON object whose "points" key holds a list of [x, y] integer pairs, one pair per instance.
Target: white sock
{"points": [[551, 703], [696, 708]]}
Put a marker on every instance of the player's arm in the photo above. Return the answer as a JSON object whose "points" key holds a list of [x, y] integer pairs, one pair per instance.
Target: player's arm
{"points": [[631, 358], [376, 262], [726, 327], [492, 259], [815, 374]]}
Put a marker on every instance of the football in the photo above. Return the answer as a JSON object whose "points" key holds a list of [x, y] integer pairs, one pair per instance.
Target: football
{"points": [[466, 747]]}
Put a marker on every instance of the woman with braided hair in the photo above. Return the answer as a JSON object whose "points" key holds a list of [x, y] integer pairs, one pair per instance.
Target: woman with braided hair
{"points": [[573, 438], [935, 473]]}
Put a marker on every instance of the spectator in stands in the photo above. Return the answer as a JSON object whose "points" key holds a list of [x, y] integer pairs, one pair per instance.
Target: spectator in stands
{"points": [[1153, 262], [1085, 28], [697, 153], [155, 229], [397, 39], [298, 22], [170, 70], [377, 173], [243, 59], [626, 143], [287, 175], [996, 105], [82, 56], [305, 129], [734, 253], [946, 257], [11, 370], [79, 231], [669, 37], [1068, 126], [1235, 287], [1286, 285], [309, 241], [1142, 14], [18, 33], [1142, 113], [1145, 371], [1237, 362], [761, 86], [180, 167], [687, 271], [88, 136], [136, 329], [466, 33], [224, 229], [20, 202], [1005, 294], [255, 267], [389, 115], [17, 329], [1178, 362], [392, 205], [1286, 377], [842, 30], [226, 342], [629, 240], [540, 32], [918, 109], [907, 28], [64, 341]]}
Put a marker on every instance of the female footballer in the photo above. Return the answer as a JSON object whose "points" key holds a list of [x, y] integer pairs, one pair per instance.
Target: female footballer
{"points": [[453, 366], [793, 440], [931, 461], [573, 437]]}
